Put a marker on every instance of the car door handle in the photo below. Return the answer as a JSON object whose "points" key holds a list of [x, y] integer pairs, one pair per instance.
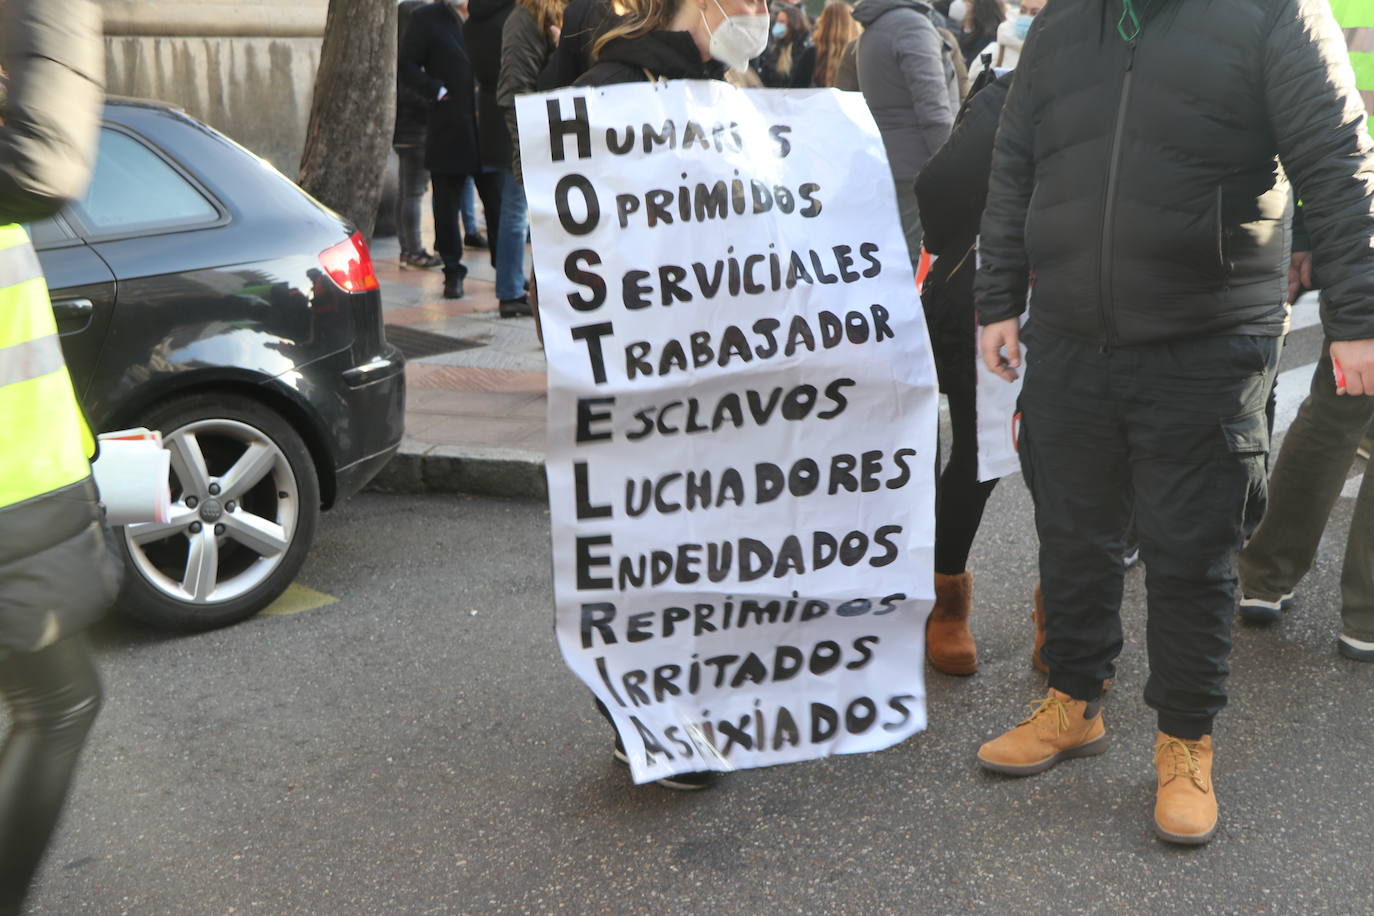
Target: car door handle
{"points": [[73, 315]]}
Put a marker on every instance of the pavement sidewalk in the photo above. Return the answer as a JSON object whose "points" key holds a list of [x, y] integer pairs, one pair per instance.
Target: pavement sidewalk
{"points": [[475, 405]]}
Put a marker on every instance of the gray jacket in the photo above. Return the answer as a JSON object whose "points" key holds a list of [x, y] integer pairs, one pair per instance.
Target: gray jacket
{"points": [[525, 49], [908, 80], [55, 58]]}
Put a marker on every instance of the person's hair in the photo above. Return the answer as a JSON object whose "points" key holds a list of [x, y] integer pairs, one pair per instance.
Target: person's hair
{"points": [[835, 30], [635, 18], [984, 16], [798, 23], [548, 13]]}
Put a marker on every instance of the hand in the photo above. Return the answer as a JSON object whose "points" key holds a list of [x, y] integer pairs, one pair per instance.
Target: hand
{"points": [[1299, 274], [1004, 335], [1356, 359]]}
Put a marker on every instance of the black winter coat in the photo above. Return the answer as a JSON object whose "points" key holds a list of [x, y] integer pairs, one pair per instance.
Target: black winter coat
{"points": [[583, 23], [1141, 182], [433, 57], [664, 55], [482, 34], [412, 108], [951, 191], [525, 49]]}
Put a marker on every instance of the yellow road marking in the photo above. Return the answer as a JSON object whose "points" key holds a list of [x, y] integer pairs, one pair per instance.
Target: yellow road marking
{"points": [[297, 599]]}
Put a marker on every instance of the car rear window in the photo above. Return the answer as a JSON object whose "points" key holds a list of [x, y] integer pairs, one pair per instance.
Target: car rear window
{"points": [[133, 190]]}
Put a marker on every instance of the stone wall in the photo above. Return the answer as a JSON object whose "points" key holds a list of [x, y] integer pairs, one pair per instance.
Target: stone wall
{"points": [[246, 67]]}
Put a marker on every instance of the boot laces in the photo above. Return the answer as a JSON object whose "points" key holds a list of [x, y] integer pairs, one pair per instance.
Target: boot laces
{"points": [[1050, 707], [1184, 758]]}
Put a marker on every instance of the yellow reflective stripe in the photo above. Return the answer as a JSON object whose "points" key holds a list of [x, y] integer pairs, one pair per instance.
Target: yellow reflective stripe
{"points": [[43, 439], [30, 359]]}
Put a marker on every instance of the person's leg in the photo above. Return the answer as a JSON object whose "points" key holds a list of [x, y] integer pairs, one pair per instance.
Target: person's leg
{"points": [[1308, 476], [1074, 458], [489, 190], [1357, 576], [53, 696], [510, 243], [1198, 435], [448, 242], [472, 232], [409, 192]]}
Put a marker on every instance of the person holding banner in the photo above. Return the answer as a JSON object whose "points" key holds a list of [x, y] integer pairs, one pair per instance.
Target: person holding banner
{"points": [[689, 39], [951, 191], [1153, 209]]}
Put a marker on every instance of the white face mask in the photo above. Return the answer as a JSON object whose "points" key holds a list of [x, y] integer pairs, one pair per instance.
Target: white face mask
{"points": [[738, 39], [957, 11]]}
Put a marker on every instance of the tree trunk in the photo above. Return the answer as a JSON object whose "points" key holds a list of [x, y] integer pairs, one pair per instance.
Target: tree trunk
{"points": [[353, 110]]}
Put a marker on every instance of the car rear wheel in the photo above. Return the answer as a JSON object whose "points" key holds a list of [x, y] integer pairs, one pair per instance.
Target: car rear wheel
{"points": [[245, 503]]}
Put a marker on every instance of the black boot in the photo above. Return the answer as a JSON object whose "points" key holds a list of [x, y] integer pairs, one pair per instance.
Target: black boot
{"points": [[453, 287], [516, 308]]}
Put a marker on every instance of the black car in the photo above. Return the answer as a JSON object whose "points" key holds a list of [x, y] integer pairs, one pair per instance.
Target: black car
{"points": [[201, 293]]}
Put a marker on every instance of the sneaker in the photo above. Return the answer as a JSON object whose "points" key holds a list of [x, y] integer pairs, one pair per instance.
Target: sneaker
{"points": [[1185, 805], [1258, 610], [476, 240], [516, 308], [681, 782], [453, 287], [1059, 728], [422, 260], [1356, 649]]}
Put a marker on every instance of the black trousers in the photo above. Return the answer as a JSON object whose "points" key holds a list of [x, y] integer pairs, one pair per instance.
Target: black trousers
{"points": [[448, 205], [1179, 431], [53, 697], [959, 497]]}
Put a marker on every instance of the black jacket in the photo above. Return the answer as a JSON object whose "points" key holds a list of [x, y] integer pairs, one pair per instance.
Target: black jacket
{"points": [[1140, 180], [951, 191], [583, 23], [482, 35], [665, 55], [433, 56], [412, 109]]}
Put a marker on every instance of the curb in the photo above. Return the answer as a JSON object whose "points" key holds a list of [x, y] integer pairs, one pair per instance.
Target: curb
{"points": [[505, 472]]}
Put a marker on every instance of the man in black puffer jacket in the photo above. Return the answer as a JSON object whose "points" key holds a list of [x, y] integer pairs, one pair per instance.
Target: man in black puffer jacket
{"points": [[1141, 178]]}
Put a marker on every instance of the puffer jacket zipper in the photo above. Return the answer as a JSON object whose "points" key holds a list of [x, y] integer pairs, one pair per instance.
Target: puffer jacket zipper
{"points": [[1105, 302]]}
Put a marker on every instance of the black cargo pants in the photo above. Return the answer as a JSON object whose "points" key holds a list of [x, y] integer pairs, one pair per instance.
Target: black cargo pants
{"points": [[1178, 430]]}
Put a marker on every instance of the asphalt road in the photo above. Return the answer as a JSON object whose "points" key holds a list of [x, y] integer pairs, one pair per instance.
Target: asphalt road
{"points": [[418, 747]]}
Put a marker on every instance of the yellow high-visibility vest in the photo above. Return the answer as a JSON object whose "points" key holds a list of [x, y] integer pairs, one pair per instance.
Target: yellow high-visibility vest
{"points": [[44, 441]]}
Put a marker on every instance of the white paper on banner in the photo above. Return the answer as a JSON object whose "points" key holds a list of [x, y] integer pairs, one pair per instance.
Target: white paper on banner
{"points": [[742, 420], [999, 419]]}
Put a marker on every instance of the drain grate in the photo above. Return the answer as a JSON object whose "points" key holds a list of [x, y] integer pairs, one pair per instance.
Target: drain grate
{"points": [[415, 343]]}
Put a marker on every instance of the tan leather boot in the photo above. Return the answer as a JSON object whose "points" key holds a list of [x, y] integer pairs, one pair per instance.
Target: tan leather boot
{"points": [[1038, 618], [1185, 804], [949, 644], [1059, 728]]}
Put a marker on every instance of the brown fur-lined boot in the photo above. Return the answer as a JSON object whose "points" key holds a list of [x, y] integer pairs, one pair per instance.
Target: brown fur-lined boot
{"points": [[1038, 617], [949, 644]]}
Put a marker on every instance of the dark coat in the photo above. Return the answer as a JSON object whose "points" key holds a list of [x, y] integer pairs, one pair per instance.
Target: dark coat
{"points": [[412, 108], [583, 22], [433, 57], [1141, 180], [525, 49], [664, 55], [482, 34], [951, 191]]}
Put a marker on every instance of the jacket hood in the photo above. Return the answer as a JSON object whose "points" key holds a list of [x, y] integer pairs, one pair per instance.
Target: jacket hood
{"points": [[868, 11], [671, 55]]}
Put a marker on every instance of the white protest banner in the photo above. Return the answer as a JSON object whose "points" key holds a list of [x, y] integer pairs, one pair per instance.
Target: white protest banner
{"points": [[742, 420], [999, 421]]}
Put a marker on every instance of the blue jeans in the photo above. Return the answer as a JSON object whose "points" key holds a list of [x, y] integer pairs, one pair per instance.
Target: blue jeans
{"points": [[510, 242], [469, 210]]}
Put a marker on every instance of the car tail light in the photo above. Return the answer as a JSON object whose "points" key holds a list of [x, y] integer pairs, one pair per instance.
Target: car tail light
{"points": [[349, 264]]}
